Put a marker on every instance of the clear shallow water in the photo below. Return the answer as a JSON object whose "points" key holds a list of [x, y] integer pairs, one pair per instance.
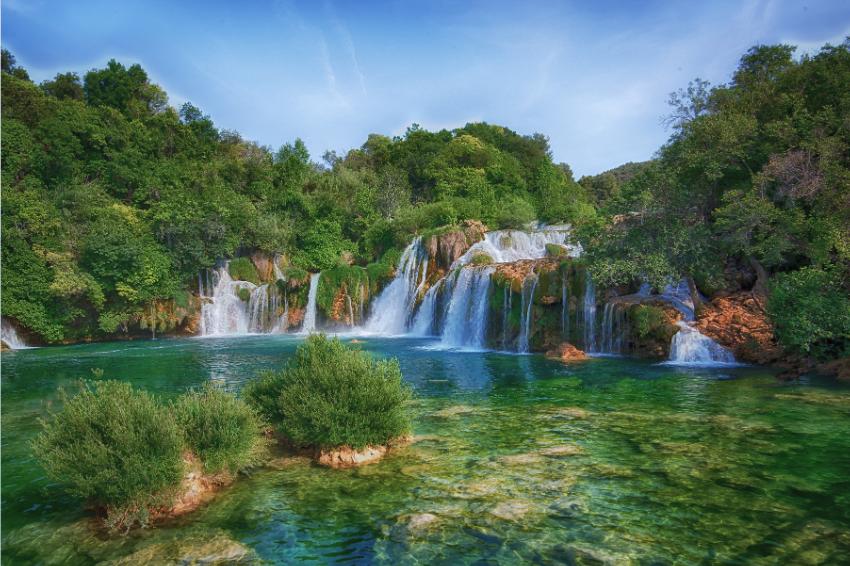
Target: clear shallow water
{"points": [[518, 459]]}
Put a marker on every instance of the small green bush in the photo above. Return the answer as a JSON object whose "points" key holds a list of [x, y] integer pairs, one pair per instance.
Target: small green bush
{"points": [[244, 294], [115, 446], [555, 250], [481, 258], [242, 269], [331, 395], [646, 320], [222, 430], [296, 276]]}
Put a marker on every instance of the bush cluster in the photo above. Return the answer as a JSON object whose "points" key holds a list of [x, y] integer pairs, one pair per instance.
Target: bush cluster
{"points": [[122, 449], [331, 395]]}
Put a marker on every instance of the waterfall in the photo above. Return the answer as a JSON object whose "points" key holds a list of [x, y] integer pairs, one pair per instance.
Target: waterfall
{"points": [[565, 307], [691, 347], [589, 314], [506, 311], [223, 311], [527, 306], [455, 308], [466, 318], [424, 322], [613, 328], [309, 324], [10, 337], [505, 246], [393, 309], [226, 310]]}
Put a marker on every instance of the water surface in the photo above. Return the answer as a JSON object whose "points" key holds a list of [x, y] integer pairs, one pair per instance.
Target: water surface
{"points": [[518, 459]]}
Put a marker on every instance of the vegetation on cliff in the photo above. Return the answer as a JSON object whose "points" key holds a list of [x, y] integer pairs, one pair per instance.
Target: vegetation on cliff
{"points": [[752, 190], [113, 200], [331, 395]]}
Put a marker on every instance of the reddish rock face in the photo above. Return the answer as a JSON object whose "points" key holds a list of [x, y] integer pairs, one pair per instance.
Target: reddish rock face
{"points": [[566, 352], [740, 323], [263, 263]]}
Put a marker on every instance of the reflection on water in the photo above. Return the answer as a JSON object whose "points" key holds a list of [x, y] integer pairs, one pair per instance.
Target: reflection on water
{"points": [[517, 459]]}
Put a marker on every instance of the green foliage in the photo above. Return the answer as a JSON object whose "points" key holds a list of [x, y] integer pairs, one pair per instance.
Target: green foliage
{"points": [[296, 275], [330, 395], [646, 320], [810, 308], [242, 269], [481, 258], [222, 430], [115, 446]]}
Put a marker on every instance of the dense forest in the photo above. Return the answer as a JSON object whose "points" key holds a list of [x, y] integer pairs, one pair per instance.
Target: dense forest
{"points": [[114, 200]]}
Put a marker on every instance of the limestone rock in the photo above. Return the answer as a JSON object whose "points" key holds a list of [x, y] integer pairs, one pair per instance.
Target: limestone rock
{"points": [[740, 323], [347, 457], [566, 352]]}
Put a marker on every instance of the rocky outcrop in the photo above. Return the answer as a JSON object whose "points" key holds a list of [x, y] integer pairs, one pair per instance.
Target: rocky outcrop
{"points": [[446, 247], [196, 489], [348, 457], [740, 323], [566, 352]]}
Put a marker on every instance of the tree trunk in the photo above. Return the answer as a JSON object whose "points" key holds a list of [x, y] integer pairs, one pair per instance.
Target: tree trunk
{"points": [[760, 290], [695, 296]]}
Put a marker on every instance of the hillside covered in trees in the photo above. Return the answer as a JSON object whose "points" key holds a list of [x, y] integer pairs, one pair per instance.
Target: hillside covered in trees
{"points": [[113, 200]]}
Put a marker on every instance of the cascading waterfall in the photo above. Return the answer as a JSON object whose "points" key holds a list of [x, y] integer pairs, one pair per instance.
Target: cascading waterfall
{"points": [[224, 312], [529, 285], [10, 337], [309, 324], [613, 328], [425, 320], [691, 347], [589, 314], [506, 311], [505, 246], [393, 309], [466, 318], [565, 307]]}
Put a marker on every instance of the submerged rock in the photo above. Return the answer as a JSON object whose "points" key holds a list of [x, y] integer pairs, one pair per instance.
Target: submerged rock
{"points": [[454, 411], [563, 450], [570, 413], [511, 510], [215, 550], [420, 522]]}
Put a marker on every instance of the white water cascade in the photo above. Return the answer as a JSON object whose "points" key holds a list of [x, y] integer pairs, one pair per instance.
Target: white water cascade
{"points": [[504, 246], [10, 337], [691, 347], [392, 310], [309, 324], [455, 308], [466, 318], [589, 315], [529, 285], [225, 311]]}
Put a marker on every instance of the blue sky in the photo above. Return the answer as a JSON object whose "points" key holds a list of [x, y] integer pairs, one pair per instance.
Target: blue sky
{"points": [[592, 76]]}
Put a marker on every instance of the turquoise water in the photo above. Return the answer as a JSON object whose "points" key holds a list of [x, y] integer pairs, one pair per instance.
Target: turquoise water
{"points": [[517, 459]]}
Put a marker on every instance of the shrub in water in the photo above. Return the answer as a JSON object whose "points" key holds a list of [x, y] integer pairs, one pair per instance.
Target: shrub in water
{"points": [[222, 430], [115, 446], [330, 395]]}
